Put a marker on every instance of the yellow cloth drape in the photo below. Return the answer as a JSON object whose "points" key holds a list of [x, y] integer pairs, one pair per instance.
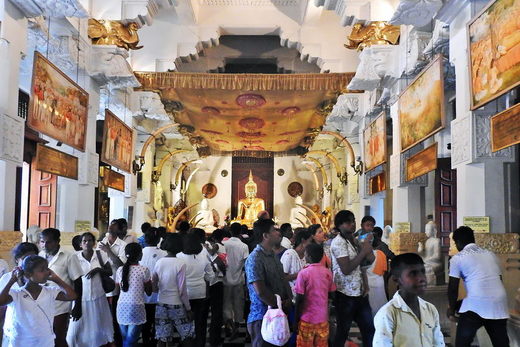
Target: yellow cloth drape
{"points": [[271, 82]]}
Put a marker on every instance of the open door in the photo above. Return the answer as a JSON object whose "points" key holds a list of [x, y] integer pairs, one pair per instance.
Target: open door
{"points": [[42, 201]]}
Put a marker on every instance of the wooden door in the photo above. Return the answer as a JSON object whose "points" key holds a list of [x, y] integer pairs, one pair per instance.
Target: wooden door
{"points": [[445, 201], [42, 201]]}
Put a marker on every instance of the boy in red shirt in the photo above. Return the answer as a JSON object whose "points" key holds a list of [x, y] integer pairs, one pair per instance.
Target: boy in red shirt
{"points": [[312, 288]]}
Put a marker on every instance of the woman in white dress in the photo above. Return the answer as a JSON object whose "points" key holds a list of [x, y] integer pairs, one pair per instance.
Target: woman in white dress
{"points": [[91, 323]]}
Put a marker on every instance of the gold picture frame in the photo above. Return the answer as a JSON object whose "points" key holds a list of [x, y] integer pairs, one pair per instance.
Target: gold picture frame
{"points": [[422, 162], [58, 107], [493, 71], [118, 143], [374, 138], [505, 128], [55, 162], [421, 105]]}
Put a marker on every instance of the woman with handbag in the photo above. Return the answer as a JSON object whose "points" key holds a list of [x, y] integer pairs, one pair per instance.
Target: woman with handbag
{"points": [[91, 323]]}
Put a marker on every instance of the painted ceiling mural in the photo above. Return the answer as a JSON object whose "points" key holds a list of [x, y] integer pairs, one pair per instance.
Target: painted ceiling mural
{"points": [[223, 113]]}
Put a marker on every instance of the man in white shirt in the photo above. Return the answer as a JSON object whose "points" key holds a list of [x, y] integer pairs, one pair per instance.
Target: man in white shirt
{"points": [[65, 265], [114, 248], [237, 252], [486, 301], [287, 235]]}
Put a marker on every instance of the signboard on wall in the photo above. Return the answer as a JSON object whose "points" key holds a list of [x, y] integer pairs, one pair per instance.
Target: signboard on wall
{"points": [[403, 227], [478, 224], [113, 179], [82, 226], [422, 162], [505, 128], [377, 183], [55, 162]]}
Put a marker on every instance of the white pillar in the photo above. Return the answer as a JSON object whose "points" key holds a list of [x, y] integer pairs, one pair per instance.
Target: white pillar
{"points": [[480, 173], [12, 42]]}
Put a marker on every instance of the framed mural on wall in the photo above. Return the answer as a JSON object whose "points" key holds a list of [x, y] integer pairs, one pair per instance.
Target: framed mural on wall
{"points": [[58, 106], [421, 105], [118, 143], [374, 137], [494, 51]]}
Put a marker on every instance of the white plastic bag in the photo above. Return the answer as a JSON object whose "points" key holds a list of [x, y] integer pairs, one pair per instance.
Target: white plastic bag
{"points": [[275, 326]]}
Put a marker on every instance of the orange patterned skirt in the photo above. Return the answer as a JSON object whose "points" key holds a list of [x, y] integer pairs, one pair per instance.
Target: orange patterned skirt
{"points": [[312, 335]]}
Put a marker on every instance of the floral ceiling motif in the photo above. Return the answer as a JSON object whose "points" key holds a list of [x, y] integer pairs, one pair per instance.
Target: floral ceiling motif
{"points": [[224, 113]]}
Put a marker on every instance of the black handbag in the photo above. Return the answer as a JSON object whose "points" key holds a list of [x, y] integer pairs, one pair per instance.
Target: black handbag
{"points": [[109, 285]]}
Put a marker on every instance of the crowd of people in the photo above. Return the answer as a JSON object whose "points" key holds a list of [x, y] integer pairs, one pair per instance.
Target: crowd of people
{"points": [[162, 288]]}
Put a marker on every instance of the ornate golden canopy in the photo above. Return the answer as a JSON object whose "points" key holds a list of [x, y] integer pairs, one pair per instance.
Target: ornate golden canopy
{"points": [[227, 113]]}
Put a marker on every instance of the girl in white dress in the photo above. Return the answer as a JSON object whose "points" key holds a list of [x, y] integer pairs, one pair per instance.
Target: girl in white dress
{"points": [[134, 280], [20, 251], [33, 304], [91, 323]]}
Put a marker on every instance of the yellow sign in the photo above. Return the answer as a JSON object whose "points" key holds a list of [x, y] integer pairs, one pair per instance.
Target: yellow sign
{"points": [[478, 224], [403, 227], [81, 226]]}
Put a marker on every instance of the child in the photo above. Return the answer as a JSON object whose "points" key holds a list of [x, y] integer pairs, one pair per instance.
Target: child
{"points": [[151, 254], [407, 320], [33, 304], [312, 288], [173, 311], [134, 280], [20, 251]]}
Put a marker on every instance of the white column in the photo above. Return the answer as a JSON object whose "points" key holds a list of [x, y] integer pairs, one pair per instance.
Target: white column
{"points": [[12, 42], [480, 173]]}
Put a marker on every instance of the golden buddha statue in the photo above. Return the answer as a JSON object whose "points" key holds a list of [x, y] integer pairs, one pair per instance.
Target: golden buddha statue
{"points": [[249, 207]]}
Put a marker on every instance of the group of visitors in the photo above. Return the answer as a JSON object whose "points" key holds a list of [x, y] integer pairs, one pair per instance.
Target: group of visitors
{"points": [[163, 287]]}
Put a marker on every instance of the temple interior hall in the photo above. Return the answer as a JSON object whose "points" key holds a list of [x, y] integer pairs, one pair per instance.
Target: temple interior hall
{"points": [[160, 122]]}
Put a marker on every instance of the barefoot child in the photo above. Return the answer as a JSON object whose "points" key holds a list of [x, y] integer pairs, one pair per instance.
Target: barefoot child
{"points": [[407, 320], [312, 288], [33, 304]]}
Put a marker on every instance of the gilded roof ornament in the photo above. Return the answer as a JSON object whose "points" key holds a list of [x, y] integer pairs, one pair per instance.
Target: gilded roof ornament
{"points": [[113, 32], [373, 33]]}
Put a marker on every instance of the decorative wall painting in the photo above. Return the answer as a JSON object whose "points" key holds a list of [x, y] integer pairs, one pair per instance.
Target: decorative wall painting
{"points": [[421, 105], [375, 142], [118, 143], [422, 162], [52, 161], [494, 51], [58, 107], [505, 128]]}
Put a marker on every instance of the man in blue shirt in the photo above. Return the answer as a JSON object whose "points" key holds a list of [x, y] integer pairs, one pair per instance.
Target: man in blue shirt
{"points": [[265, 278]]}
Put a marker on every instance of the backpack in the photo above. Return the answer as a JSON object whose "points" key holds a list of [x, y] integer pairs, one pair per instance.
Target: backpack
{"points": [[275, 327]]}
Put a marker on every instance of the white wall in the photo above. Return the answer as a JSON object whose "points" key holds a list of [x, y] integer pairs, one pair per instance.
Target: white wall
{"points": [[294, 171], [210, 173]]}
